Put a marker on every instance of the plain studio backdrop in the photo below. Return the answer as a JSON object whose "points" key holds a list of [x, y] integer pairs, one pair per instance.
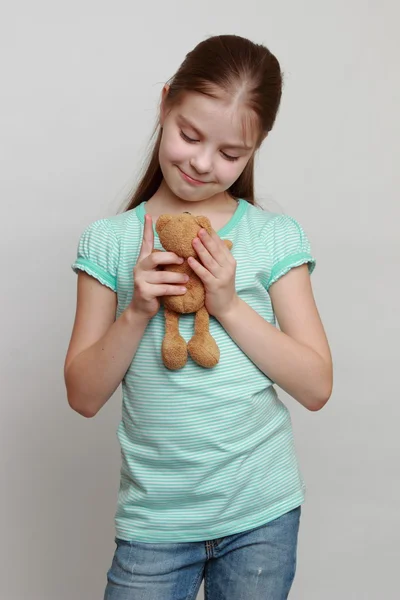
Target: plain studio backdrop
{"points": [[80, 85]]}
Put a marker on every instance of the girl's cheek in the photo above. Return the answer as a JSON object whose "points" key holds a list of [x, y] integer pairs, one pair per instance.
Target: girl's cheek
{"points": [[231, 172], [175, 149]]}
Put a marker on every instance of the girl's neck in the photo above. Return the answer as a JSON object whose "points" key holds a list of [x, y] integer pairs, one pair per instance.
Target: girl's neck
{"points": [[219, 208]]}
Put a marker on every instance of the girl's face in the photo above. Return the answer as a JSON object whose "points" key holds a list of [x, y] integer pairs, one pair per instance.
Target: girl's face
{"points": [[203, 149]]}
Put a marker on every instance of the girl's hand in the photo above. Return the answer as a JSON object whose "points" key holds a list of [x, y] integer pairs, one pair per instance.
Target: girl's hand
{"points": [[217, 272], [149, 283]]}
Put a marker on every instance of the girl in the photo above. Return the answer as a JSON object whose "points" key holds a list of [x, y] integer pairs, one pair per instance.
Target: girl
{"points": [[210, 485]]}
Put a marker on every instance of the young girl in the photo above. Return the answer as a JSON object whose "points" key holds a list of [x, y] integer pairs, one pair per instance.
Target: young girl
{"points": [[210, 485]]}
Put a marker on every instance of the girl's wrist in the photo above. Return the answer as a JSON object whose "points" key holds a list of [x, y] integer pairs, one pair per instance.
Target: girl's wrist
{"points": [[135, 317], [230, 311]]}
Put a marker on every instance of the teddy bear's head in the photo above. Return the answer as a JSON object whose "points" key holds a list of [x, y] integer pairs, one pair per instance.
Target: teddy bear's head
{"points": [[176, 232]]}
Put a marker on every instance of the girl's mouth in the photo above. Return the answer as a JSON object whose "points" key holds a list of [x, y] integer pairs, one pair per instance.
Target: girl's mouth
{"points": [[191, 180]]}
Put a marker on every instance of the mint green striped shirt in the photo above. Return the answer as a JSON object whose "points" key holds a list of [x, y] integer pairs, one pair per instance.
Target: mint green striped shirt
{"points": [[205, 452]]}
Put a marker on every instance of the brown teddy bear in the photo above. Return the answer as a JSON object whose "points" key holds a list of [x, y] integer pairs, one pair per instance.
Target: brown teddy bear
{"points": [[176, 233]]}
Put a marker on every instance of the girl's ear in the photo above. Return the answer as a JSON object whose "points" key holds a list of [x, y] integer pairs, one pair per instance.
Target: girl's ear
{"points": [[164, 95]]}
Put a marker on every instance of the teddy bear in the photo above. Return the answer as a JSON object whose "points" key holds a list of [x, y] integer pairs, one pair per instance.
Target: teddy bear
{"points": [[176, 234]]}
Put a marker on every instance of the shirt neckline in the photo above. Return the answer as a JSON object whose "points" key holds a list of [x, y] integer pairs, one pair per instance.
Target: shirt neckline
{"points": [[233, 221]]}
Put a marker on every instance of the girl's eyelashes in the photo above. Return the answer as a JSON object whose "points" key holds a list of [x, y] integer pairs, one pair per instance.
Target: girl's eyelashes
{"points": [[187, 138], [193, 141], [231, 158]]}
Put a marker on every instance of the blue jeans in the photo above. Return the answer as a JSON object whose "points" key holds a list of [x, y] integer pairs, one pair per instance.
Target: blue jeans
{"points": [[252, 565]]}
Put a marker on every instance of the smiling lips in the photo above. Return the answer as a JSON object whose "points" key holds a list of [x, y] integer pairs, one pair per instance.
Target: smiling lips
{"points": [[191, 180]]}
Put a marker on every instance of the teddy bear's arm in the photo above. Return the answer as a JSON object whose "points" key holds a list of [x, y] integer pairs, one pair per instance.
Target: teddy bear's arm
{"points": [[228, 244]]}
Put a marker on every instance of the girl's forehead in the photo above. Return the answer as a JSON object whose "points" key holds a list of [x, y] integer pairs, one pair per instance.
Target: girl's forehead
{"points": [[219, 116]]}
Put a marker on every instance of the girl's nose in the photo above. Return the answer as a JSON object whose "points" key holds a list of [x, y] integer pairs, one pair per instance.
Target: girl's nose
{"points": [[201, 162]]}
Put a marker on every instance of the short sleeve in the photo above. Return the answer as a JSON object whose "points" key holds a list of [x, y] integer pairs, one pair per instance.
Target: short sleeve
{"points": [[98, 252], [287, 246]]}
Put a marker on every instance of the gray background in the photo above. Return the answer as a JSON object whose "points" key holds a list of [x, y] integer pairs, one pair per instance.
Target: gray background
{"points": [[80, 86]]}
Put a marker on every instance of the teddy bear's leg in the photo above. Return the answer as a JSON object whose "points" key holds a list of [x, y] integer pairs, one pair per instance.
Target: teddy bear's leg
{"points": [[174, 347], [202, 347]]}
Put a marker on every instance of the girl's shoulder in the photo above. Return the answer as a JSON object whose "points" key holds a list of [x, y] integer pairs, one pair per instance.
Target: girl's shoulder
{"points": [[123, 223], [103, 241], [280, 238], [269, 224], [114, 228]]}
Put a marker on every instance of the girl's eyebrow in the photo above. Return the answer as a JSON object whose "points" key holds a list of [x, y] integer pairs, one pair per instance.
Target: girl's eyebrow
{"points": [[196, 130]]}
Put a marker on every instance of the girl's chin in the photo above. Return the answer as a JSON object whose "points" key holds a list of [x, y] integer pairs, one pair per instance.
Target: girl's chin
{"points": [[186, 195]]}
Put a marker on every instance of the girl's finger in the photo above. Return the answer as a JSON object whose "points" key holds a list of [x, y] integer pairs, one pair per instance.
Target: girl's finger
{"points": [[214, 245], [148, 237], [157, 277], [206, 259], [201, 271], [165, 289], [156, 259]]}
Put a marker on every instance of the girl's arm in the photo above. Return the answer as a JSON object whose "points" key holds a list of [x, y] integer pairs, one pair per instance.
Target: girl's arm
{"points": [[296, 357], [101, 348]]}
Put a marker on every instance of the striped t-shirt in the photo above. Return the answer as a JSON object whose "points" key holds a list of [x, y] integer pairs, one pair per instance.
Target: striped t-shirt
{"points": [[205, 453]]}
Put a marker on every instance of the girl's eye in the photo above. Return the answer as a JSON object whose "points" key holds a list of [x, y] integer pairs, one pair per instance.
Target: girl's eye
{"points": [[187, 138], [231, 158], [193, 141]]}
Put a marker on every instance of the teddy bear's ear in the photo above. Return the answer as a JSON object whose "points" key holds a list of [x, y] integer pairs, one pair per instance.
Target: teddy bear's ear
{"points": [[162, 221], [205, 223]]}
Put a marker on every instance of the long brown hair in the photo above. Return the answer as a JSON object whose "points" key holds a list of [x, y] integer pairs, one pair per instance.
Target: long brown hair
{"points": [[222, 62]]}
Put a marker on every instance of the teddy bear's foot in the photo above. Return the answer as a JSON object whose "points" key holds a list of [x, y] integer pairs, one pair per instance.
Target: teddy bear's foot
{"points": [[174, 352], [204, 350]]}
